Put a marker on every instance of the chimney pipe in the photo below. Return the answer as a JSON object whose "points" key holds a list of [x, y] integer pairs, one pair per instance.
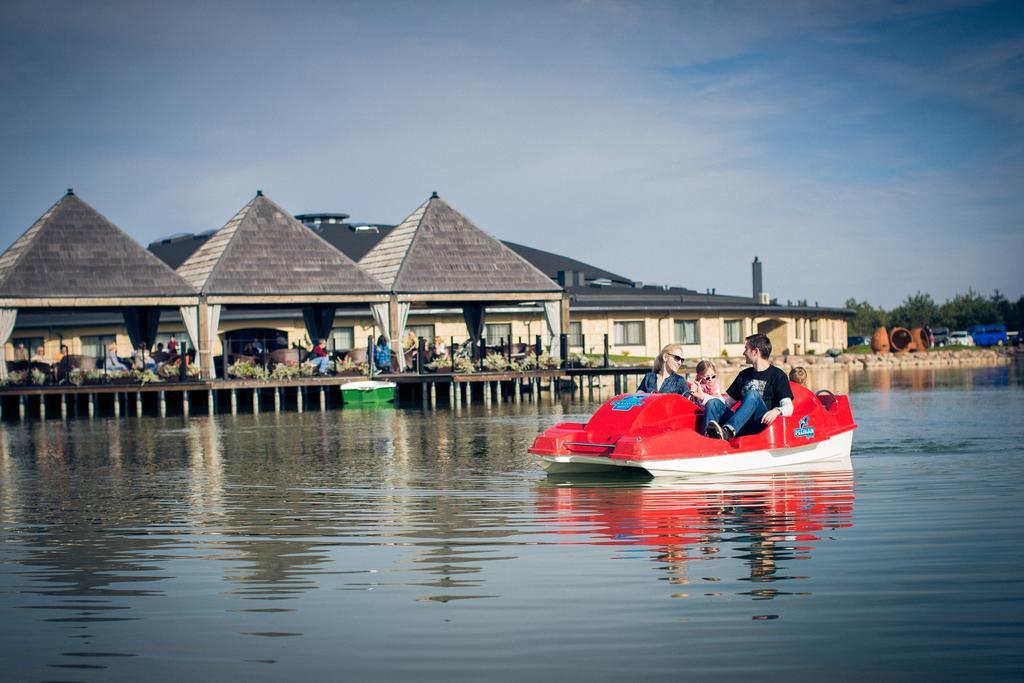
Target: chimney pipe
{"points": [[758, 280]]}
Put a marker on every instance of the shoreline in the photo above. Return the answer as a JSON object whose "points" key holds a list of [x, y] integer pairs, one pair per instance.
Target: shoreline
{"points": [[988, 357]]}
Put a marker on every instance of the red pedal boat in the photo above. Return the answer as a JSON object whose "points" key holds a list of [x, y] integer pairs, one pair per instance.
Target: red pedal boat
{"points": [[658, 433]]}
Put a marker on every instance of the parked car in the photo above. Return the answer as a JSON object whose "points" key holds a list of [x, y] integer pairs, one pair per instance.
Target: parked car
{"points": [[940, 336], [961, 337], [989, 335], [857, 340]]}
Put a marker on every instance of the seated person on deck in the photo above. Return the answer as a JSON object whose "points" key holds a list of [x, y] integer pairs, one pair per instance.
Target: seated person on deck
{"points": [[763, 392], [663, 379]]}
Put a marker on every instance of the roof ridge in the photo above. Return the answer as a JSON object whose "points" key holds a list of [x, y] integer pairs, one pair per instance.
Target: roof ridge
{"points": [[415, 235], [234, 233], [384, 244], [10, 265]]}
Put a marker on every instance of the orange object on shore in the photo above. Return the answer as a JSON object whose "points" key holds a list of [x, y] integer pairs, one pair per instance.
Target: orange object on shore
{"points": [[901, 340], [880, 341]]}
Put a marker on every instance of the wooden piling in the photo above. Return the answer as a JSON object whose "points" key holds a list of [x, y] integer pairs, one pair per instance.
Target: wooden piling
{"points": [[163, 403], [234, 402], [255, 400]]}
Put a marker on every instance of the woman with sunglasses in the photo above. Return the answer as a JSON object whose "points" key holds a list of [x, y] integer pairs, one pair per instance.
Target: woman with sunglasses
{"points": [[664, 378]]}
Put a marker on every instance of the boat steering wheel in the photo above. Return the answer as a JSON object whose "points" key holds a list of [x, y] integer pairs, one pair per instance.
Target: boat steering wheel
{"points": [[824, 392]]}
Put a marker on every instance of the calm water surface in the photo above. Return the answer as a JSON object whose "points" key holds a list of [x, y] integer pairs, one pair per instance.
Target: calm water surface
{"points": [[400, 544]]}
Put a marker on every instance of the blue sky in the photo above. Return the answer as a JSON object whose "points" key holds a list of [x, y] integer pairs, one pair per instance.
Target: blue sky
{"points": [[860, 149]]}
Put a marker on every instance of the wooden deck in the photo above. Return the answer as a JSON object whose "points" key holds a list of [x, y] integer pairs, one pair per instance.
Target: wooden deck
{"points": [[232, 395]]}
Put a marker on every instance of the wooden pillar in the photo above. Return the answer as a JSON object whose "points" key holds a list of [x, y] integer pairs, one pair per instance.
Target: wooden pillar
{"points": [[92, 405], [63, 407], [323, 400], [517, 385], [21, 407], [206, 335], [117, 405], [163, 403], [211, 400], [487, 393], [396, 344], [42, 407], [234, 401], [433, 394], [138, 404], [277, 399], [298, 398], [457, 392], [184, 403], [255, 400]]}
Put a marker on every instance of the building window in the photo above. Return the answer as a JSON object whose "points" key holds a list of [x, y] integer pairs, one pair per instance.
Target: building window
{"points": [[686, 332], [30, 344], [629, 333], [342, 339], [493, 334], [425, 331], [96, 346], [733, 331], [575, 335], [814, 331]]}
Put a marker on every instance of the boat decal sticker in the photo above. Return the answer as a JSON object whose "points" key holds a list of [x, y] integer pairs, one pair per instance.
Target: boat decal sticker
{"points": [[803, 429], [630, 402]]}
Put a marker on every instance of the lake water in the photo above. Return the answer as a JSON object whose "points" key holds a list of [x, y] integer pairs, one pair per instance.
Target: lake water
{"points": [[413, 544]]}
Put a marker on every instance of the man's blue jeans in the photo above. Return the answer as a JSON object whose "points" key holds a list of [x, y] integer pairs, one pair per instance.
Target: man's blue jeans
{"points": [[320, 364], [745, 420]]}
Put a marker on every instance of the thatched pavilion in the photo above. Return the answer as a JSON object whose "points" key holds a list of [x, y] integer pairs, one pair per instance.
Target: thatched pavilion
{"points": [[264, 257], [437, 256], [74, 258]]}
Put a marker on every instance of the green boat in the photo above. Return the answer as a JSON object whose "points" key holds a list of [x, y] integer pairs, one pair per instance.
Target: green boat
{"points": [[368, 392]]}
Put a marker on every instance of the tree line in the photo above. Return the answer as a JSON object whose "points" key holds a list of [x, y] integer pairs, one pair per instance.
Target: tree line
{"points": [[920, 310]]}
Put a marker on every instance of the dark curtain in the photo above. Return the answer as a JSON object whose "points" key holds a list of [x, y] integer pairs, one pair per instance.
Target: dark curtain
{"points": [[474, 316], [319, 321], [141, 324]]}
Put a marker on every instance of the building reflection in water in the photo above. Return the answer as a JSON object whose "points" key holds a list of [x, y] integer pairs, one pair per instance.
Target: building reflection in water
{"points": [[763, 521]]}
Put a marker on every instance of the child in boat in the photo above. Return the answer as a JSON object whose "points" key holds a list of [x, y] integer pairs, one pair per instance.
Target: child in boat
{"points": [[705, 386], [663, 379], [798, 376]]}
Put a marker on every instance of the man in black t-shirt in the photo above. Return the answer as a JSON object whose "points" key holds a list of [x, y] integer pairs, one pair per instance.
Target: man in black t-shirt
{"points": [[763, 391]]}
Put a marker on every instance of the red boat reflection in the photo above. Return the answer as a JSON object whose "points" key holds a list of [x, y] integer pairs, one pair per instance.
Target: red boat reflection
{"points": [[763, 518]]}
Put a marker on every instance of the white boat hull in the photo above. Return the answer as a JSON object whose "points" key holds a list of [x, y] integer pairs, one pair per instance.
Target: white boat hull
{"points": [[838, 446]]}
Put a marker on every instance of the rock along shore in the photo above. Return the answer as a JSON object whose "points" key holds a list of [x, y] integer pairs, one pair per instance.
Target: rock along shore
{"points": [[919, 359]]}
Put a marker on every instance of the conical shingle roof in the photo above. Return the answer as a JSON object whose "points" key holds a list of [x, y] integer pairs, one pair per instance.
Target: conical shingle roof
{"points": [[438, 250], [74, 251], [263, 250]]}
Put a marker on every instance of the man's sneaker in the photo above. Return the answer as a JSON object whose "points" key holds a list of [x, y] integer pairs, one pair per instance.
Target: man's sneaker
{"points": [[728, 432], [714, 431]]}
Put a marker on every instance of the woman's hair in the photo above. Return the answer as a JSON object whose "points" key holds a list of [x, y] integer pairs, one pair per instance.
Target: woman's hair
{"points": [[671, 349], [703, 366], [382, 340]]}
